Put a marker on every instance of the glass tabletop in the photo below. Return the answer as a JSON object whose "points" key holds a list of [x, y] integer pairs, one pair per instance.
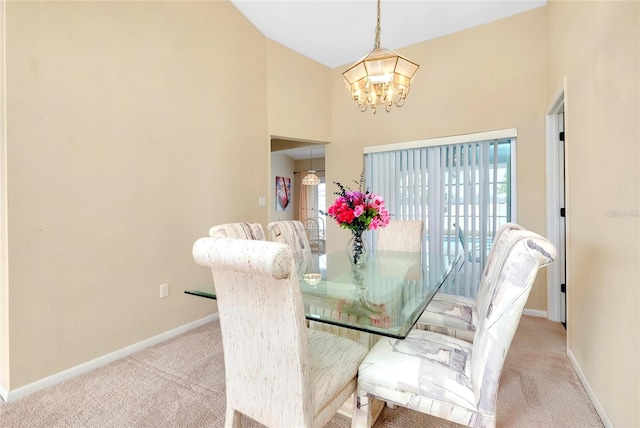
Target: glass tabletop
{"points": [[385, 297]]}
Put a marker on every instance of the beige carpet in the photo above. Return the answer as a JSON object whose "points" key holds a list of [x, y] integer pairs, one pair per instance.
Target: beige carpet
{"points": [[180, 383]]}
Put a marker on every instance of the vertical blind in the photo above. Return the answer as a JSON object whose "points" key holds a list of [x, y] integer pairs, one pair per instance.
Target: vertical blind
{"points": [[462, 193]]}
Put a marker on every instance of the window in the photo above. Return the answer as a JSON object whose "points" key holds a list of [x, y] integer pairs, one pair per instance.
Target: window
{"points": [[463, 191]]}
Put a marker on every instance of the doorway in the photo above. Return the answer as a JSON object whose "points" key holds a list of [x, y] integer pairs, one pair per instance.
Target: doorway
{"points": [[557, 285], [295, 159]]}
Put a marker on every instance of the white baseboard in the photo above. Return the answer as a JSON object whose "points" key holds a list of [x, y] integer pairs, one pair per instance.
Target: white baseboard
{"points": [[535, 313], [23, 391], [4, 392], [592, 396]]}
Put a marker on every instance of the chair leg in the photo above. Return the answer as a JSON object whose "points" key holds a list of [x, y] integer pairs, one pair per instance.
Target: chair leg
{"points": [[232, 418], [361, 415]]}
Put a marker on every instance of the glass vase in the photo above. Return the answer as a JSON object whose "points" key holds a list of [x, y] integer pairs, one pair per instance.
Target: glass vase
{"points": [[358, 249]]}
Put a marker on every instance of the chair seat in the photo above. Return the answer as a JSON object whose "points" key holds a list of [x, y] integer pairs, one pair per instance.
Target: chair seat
{"points": [[455, 316], [426, 372], [334, 364]]}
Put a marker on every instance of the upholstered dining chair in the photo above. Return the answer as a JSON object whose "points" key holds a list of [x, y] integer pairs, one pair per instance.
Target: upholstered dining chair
{"points": [[457, 316], [241, 230], [277, 371], [292, 233], [400, 235], [448, 377]]}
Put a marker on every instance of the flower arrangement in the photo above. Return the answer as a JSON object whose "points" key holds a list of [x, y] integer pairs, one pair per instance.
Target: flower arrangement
{"points": [[357, 210]]}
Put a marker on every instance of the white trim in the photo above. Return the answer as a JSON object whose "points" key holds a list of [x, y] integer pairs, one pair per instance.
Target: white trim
{"points": [[553, 207], [57, 378], [4, 241], [443, 141], [535, 313], [4, 392], [514, 180], [592, 395]]}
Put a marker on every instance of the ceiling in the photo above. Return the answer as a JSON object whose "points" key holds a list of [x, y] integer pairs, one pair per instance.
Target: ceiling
{"points": [[337, 33], [340, 32]]}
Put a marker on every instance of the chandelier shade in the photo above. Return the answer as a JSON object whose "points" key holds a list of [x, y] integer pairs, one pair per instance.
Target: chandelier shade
{"points": [[381, 78], [312, 278], [311, 179]]}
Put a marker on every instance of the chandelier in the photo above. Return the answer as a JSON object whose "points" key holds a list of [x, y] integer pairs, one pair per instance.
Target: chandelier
{"points": [[381, 78], [311, 179]]}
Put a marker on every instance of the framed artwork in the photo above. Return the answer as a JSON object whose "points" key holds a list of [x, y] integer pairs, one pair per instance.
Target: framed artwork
{"points": [[283, 193]]}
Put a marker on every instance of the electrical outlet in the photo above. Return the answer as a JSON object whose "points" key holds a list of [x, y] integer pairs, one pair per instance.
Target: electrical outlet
{"points": [[164, 290]]}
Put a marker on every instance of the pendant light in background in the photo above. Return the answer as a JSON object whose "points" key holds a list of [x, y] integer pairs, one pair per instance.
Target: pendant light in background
{"points": [[311, 179]]}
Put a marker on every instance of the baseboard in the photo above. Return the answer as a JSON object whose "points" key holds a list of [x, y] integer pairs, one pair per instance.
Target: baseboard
{"points": [[57, 378], [592, 396], [535, 313], [4, 392]]}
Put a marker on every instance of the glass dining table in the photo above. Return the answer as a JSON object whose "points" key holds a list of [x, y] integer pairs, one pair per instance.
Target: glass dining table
{"points": [[385, 297]]}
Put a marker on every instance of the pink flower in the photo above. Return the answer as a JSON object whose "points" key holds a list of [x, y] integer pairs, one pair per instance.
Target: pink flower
{"points": [[358, 211]]}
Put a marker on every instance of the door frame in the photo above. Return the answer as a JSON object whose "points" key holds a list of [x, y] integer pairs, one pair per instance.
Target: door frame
{"points": [[557, 106], [4, 258]]}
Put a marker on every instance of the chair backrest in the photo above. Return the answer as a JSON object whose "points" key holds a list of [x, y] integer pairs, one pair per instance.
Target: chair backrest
{"points": [[264, 337], [510, 278], [292, 233], [400, 235], [312, 228], [238, 230], [499, 240]]}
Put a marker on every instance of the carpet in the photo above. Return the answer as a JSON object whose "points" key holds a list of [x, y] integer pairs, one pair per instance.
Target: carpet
{"points": [[180, 383]]}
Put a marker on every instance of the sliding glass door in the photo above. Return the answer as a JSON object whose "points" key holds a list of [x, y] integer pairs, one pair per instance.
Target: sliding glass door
{"points": [[463, 192]]}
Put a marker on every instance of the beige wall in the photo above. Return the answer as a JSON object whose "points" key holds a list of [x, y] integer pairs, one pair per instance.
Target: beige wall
{"points": [[129, 129], [299, 106], [486, 78], [298, 95], [596, 45]]}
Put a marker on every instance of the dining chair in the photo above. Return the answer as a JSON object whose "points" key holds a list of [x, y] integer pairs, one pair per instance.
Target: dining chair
{"points": [[447, 377], [242, 230], [292, 233], [457, 316], [314, 228], [400, 235], [277, 371]]}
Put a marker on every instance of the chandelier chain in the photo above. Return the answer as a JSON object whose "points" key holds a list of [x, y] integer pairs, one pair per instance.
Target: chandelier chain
{"points": [[378, 28]]}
